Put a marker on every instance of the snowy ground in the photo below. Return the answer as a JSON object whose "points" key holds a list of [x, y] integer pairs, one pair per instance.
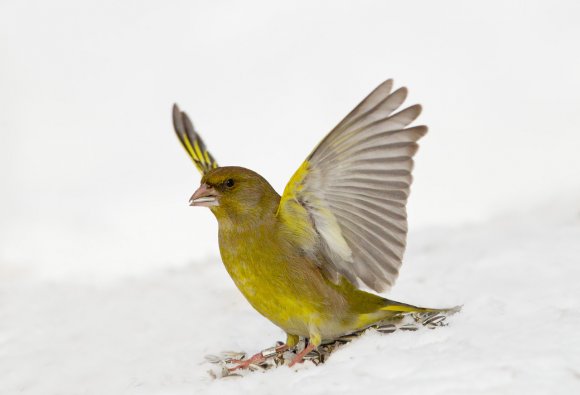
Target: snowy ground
{"points": [[518, 331]]}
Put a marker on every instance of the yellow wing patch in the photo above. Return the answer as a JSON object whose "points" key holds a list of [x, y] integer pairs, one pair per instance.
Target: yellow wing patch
{"points": [[307, 217], [294, 215], [296, 183], [192, 142]]}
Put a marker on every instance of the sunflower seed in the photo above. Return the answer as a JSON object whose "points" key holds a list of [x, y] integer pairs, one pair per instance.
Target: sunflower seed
{"points": [[274, 358], [389, 328], [408, 327]]}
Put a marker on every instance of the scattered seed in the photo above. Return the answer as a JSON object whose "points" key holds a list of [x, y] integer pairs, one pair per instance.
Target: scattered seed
{"points": [[274, 358]]}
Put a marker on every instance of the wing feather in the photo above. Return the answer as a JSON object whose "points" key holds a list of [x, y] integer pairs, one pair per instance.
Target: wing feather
{"points": [[192, 142], [354, 188]]}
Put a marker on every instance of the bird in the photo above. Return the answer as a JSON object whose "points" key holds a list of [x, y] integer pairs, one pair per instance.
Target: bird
{"points": [[304, 258]]}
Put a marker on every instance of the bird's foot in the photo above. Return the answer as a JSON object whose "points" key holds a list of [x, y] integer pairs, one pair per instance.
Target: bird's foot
{"points": [[299, 358], [258, 358], [245, 363]]}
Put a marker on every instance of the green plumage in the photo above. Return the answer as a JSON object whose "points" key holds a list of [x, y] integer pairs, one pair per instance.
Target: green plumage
{"points": [[299, 258], [271, 266]]}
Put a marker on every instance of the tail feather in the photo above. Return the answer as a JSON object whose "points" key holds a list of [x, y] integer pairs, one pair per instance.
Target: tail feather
{"points": [[397, 307]]}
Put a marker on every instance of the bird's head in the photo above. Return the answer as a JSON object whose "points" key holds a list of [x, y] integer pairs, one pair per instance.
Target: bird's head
{"points": [[235, 193]]}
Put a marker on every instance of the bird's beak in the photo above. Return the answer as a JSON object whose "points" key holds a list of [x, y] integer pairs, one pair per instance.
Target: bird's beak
{"points": [[205, 196]]}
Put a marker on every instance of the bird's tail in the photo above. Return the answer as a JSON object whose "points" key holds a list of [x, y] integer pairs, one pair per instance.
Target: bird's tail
{"points": [[397, 307], [395, 315]]}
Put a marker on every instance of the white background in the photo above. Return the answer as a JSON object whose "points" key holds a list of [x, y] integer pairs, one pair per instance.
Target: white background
{"points": [[94, 185]]}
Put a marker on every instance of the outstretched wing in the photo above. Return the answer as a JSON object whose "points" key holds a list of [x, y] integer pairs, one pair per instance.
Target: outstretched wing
{"points": [[353, 188], [192, 142]]}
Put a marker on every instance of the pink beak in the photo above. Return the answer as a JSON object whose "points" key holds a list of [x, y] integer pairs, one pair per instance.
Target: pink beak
{"points": [[205, 196]]}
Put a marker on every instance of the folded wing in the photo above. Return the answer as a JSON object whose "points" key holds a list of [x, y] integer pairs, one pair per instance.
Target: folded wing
{"points": [[354, 187]]}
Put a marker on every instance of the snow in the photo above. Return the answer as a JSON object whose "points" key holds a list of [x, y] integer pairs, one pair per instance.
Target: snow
{"points": [[515, 275]]}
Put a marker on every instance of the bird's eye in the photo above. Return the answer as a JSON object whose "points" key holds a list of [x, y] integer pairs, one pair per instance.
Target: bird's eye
{"points": [[229, 183]]}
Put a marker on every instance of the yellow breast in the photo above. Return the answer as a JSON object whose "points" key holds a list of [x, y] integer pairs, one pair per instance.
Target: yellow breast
{"points": [[280, 290]]}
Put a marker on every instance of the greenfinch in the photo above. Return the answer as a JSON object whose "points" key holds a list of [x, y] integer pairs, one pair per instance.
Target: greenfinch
{"points": [[300, 259]]}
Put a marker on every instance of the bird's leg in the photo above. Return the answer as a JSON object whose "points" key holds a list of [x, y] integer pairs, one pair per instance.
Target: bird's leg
{"points": [[299, 358], [291, 341], [260, 357], [313, 342]]}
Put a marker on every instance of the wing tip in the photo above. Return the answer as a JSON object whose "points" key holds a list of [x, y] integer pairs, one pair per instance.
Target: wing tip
{"points": [[384, 89], [402, 91], [177, 116], [418, 131], [417, 109], [388, 82]]}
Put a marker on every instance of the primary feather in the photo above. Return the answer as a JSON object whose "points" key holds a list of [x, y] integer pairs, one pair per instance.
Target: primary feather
{"points": [[354, 188], [192, 142]]}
